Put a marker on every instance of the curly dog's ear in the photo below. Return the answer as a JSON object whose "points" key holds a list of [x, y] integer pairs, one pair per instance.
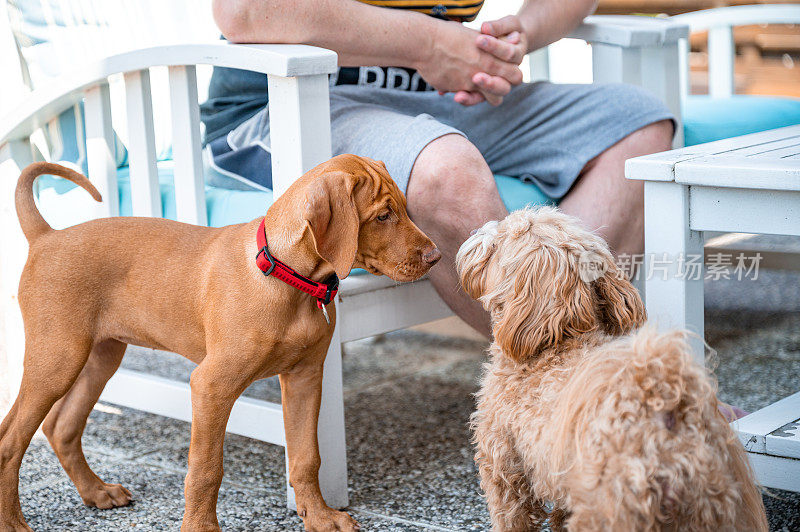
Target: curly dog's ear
{"points": [[620, 307], [472, 263], [546, 306]]}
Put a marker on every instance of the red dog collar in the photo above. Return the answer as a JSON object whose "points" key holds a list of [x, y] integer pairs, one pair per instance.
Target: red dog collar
{"points": [[324, 292]]}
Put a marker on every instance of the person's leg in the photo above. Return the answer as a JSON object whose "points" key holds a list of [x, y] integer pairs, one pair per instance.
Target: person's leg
{"points": [[573, 141], [614, 206], [451, 192], [607, 202]]}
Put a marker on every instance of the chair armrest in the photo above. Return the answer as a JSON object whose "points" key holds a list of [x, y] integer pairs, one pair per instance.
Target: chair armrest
{"points": [[629, 31], [282, 60], [740, 16]]}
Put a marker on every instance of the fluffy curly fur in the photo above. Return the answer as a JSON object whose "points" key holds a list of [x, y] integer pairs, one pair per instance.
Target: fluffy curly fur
{"points": [[612, 422]]}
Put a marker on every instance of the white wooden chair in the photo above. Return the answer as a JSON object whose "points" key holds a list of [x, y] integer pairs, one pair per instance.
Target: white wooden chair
{"points": [[629, 49], [719, 23], [761, 113], [724, 114]]}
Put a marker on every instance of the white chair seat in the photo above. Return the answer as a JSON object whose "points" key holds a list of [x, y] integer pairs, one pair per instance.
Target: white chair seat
{"points": [[359, 284], [367, 296]]}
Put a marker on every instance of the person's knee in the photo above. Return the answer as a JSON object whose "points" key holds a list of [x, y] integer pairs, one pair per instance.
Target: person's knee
{"points": [[449, 176], [657, 136], [652, 138]]}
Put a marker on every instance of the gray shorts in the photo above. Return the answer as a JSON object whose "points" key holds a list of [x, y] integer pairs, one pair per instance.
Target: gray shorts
{"points": [[543, 132]]}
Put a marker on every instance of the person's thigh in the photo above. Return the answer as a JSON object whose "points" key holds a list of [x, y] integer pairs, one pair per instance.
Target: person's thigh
{"points": [[394, 136], [547, 133], [369, 122]]}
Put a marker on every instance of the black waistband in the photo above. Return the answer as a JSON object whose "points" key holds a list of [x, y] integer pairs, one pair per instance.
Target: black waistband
{"points": [[397, 78]]}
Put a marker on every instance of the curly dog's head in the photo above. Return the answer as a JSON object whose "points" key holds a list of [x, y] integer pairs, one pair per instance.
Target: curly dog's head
{"points": [[545, 279]]}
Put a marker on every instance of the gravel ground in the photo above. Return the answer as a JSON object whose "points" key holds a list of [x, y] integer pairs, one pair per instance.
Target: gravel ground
{"points": [[408, 398]]}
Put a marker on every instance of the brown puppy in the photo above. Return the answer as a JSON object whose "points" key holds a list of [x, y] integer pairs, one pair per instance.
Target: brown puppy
{"points": [[89, 290], [618, 428]]}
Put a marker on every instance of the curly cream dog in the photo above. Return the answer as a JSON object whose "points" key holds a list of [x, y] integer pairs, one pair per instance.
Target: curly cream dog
{"points": [[617, 427]]}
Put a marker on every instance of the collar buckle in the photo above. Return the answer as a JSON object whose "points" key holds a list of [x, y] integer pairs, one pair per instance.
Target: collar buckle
{"points": [[269, 258], [332, 286]]}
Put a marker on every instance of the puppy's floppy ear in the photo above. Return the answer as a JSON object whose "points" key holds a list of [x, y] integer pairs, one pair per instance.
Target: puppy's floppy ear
{"points": [[332, 218], [619, 304], [544, 308]]}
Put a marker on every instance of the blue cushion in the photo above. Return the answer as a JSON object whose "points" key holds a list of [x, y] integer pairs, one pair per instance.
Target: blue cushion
{"points": [[63, 204], [67, 138], [707, 119], [517, 194]]}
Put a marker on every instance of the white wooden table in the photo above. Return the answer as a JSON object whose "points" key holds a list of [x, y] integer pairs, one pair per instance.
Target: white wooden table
{"points": [[748, 184]]}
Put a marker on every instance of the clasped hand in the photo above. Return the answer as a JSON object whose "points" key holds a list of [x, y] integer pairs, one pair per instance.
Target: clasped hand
{"points": [[477, 66]]}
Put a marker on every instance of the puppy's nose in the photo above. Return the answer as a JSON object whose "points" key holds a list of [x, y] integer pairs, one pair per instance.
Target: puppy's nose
{"points": [[432, 256]]}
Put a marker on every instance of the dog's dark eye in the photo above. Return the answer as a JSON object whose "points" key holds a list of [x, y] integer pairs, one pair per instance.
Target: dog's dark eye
{"points": [[383, 217]]}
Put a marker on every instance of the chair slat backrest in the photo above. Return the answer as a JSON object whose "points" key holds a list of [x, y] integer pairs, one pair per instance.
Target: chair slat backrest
{"points": [[190, 201], [145, 192], [100, 146], [55, 38], [721, 47]]}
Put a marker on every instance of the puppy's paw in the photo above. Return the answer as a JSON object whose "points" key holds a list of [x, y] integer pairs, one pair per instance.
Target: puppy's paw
{"points": [[328, 520], [104, 496]]}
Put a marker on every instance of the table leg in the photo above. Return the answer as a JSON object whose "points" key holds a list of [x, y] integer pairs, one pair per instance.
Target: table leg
{"points": [[673, 265]]}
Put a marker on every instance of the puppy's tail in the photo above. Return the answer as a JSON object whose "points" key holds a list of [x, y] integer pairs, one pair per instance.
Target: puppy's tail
{"points": [[646, 447], [30, 219]]}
